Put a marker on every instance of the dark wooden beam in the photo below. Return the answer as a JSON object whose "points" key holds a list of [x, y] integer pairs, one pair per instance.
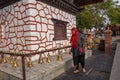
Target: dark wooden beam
{"points": [[4, 3], [64, 5], [80, 3]]}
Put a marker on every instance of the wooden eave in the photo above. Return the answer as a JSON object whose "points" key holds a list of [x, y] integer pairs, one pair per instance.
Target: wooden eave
{"points": [[63, 5], [4, 3], [80, 3]]}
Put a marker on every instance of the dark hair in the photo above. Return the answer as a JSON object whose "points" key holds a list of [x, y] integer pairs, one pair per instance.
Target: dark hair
{"points": [[72, 29]]}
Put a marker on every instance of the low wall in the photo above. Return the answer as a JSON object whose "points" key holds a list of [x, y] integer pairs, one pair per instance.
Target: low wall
{"points": [[115, 72], [45, 71]]}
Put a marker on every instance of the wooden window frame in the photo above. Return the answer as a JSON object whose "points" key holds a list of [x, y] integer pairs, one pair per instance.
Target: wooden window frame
{"points": [[60, 30]]}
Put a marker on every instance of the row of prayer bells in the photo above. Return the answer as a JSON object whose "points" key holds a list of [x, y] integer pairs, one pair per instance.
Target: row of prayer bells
{"points": [[48, 59], [14, 62]]}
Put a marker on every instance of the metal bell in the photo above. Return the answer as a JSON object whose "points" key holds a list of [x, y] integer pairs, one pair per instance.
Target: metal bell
{"points": [[15, 64], [11, 60], [48, 59], [40, 61], [30, 64], [3, 59], [59, 58]]}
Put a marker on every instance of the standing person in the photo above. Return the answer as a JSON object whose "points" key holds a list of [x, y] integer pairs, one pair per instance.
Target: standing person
{"points": [[81, 43], [74, 45], [75, 51]]}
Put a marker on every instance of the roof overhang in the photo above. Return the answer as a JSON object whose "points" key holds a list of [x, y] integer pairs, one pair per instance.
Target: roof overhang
{"points": [[72, 6], [80, 3], [4, 3], [64, 5]]}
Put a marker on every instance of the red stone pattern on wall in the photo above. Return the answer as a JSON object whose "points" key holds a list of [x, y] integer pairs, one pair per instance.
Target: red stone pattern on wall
{"points": [[32, 31], [14, 17]]}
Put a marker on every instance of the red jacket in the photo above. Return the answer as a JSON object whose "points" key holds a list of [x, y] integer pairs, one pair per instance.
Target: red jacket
{"points": [[74, 39]]}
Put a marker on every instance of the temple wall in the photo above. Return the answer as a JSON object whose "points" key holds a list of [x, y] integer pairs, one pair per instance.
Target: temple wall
{"points": [[27, 26], [14, 23]]}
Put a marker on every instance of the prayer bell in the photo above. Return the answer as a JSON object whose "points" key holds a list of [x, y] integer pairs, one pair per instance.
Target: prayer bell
{"points": [[59, 57], [30, 64], [3, 59], [11, 60], [40, 61], [14, 63], [48, 59]]}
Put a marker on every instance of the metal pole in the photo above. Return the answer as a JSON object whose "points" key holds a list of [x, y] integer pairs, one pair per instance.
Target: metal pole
{"points": [[23, 68]]}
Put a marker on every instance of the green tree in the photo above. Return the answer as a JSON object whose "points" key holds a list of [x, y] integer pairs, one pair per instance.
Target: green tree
{"points": [[93, 15], [84, 19], [114, 15]]}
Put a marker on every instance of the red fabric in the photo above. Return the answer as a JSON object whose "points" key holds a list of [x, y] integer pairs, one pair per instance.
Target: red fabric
{"points": [[74, 39], [81, 50]]}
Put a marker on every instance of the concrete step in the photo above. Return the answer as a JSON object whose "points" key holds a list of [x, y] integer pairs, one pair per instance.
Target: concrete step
{"points": [[45, 71]]}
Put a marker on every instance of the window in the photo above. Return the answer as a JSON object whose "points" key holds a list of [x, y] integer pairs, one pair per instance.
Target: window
{"points": [[59, 29]]}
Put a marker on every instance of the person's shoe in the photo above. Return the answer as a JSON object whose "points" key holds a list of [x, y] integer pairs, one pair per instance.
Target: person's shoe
{"points": [[76, 71], [84, 70]]}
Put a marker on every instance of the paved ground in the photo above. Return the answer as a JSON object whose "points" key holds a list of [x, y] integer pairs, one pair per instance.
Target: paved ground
{"points": [[98, 68], [99, 64]]}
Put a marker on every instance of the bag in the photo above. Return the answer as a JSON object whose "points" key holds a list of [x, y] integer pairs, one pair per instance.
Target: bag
{"points": [[81, 51]]}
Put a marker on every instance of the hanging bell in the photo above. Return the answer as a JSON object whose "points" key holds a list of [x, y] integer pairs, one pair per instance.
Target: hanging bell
{"points": [[30, 64], [40, 61], [3, 59], [59, 58], [48, 59], [14, 63], [11, 60]]}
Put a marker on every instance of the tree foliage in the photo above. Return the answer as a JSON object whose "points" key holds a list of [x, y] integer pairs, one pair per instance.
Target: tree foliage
{"points": [[94, 15], [114, 15], [85, 19]]}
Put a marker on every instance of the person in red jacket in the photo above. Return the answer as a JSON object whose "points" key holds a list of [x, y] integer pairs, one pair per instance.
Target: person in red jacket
{"points": [[74, 45], [74, 38], [75, 51]]}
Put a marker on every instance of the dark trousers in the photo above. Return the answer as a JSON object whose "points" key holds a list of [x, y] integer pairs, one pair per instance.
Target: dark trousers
{"points": [[78, 59]]}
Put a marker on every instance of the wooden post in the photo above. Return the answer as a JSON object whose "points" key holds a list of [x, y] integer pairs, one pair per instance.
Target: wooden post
{"points": [[23, 68]]}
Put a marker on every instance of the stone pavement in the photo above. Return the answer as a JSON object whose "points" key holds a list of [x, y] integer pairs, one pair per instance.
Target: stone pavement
{"points": [[98, 68]]}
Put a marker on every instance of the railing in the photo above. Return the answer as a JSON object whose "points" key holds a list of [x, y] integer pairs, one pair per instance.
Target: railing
{"points": [[23, 56]]}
